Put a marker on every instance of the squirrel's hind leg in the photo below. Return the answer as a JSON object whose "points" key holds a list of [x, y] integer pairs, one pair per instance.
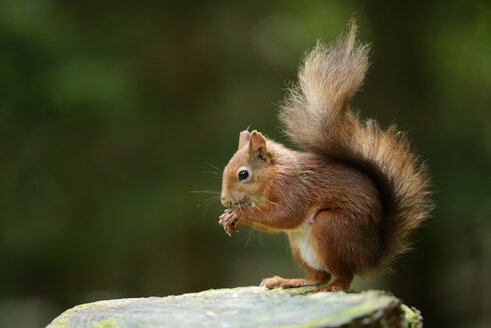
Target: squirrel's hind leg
{"points": [[337, 285], [343, 249], [315, 276]]}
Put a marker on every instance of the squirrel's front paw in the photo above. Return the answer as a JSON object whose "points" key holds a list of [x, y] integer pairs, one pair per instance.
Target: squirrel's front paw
{"points": [[230, 220]]}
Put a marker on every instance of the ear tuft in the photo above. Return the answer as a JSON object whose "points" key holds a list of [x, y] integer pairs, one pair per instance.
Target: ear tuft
{"points": [[244, 138], [257, 145], [257, 140]]}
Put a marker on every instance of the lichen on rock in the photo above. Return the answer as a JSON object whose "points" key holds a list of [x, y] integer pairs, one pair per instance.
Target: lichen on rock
{"points": [[244, 307]]}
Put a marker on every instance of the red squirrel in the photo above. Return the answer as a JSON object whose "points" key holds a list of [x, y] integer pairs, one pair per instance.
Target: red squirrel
{"points": [[349, 202]]}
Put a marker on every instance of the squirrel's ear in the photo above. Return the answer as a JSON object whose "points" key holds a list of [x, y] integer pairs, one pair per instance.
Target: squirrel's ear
{"points": [[244, 138], [257, 145]]}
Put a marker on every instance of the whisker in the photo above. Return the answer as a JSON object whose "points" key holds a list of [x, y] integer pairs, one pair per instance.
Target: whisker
{"points": [[264, 200], [212, 197], [260, 239], [207, 201], [211, 172], [207, 207], [214, 167], [248, 238], [256, 207], [238, 203], [205, 192], [206, 204]]}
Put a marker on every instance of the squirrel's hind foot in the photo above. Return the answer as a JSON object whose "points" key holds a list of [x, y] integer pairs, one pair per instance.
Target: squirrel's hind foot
{"points": [[338, 285], [277, 281]]}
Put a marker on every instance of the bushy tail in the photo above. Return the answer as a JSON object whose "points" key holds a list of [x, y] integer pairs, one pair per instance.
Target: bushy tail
{"points": [[316, 117]]}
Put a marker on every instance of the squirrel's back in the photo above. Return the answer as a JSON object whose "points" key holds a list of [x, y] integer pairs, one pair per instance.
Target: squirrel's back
{"points": [[317, 118]]}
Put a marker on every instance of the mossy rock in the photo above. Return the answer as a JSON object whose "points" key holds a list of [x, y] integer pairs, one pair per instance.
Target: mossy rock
{"points": [[245, 307]]}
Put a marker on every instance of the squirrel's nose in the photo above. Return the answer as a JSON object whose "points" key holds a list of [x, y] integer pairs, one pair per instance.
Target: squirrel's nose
{"points": [[224, 201]]}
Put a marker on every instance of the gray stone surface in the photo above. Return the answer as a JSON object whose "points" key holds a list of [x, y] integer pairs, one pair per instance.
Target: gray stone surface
{"points": [[244, 307]]}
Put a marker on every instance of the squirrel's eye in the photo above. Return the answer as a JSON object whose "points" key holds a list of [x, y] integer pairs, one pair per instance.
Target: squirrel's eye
{"points": [[243, 175]]}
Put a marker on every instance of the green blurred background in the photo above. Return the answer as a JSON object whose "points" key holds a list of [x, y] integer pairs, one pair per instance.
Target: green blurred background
{"points": [[112, 113]]}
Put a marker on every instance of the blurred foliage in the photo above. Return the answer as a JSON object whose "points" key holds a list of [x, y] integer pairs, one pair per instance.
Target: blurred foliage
{"points": [[111, 112]]}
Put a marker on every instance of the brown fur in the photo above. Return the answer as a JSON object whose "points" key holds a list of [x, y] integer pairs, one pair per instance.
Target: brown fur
{"points": [[363, 186]]}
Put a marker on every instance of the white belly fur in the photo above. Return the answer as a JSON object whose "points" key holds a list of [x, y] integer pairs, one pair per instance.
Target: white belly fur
{"points": [[302, 240]]}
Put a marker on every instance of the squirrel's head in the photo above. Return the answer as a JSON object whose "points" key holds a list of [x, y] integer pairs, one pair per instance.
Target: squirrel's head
{"points": [[247, 171]]}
